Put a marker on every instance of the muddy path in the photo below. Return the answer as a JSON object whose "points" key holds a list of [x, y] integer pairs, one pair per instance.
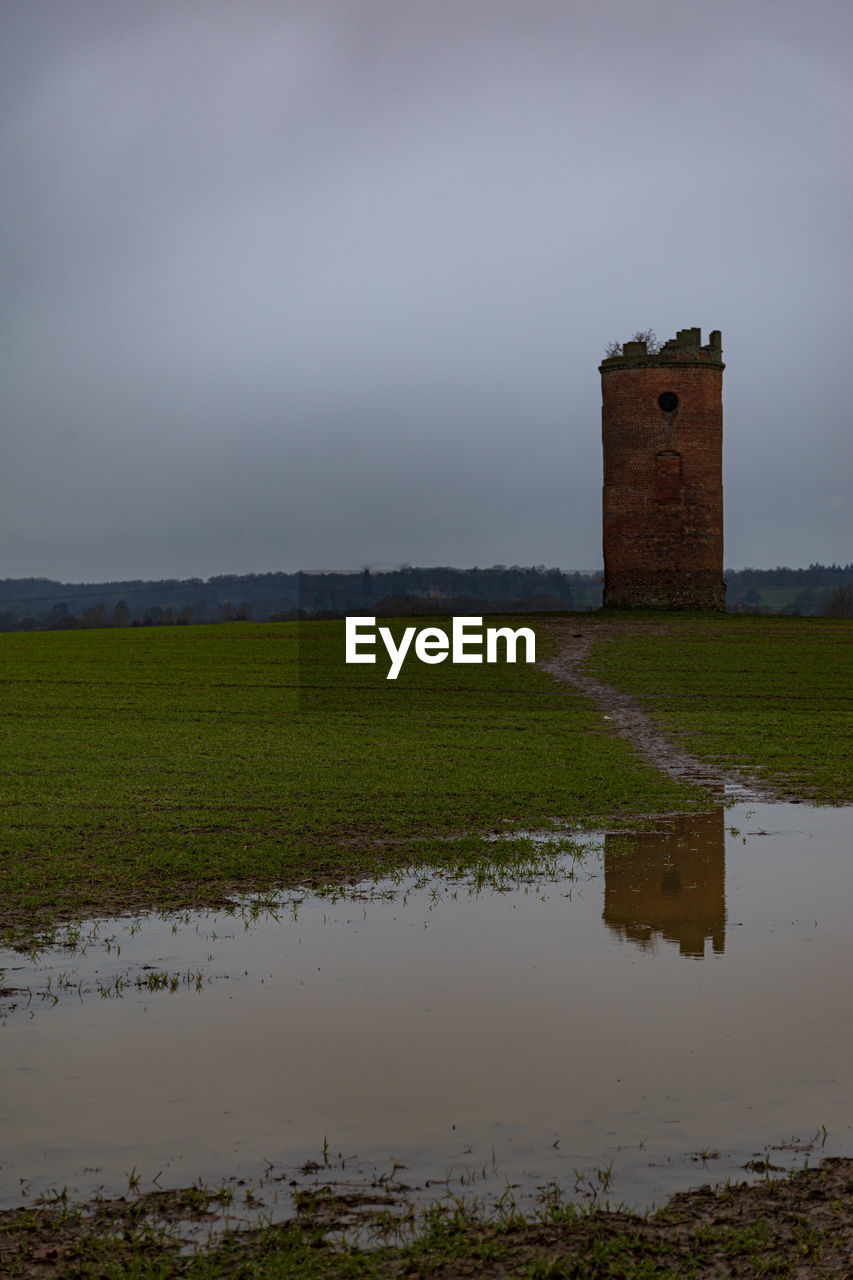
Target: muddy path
{"points": [[576, 638]]}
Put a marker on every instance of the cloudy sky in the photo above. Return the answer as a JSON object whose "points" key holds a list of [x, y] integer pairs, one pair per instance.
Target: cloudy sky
{"points": [[325, 283]]}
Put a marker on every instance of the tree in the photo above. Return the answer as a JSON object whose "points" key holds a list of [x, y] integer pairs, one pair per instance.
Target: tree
{"points": [[649, 337], [840, 602], [640, 335]]}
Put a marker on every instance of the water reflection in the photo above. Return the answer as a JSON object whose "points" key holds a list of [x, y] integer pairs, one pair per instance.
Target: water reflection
{"points": [[533, 1031], [669, 884]]}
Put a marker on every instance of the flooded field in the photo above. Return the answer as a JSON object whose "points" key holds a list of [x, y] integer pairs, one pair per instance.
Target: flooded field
{"points": [[653, 1013]]}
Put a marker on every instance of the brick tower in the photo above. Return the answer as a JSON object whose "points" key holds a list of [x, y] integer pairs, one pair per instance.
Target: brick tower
{"points": [[662, 432]]}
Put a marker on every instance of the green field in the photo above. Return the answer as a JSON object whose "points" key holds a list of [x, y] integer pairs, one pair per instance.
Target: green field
{"points": [[768, 695], [161, 766], [155, 766], [164, 766]]}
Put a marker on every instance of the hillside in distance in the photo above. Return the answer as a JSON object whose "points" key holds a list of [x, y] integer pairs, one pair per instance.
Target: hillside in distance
{"points": [[40, 604]]}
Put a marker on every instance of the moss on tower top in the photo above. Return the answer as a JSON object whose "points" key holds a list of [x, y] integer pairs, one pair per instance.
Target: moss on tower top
{"points": [[685, 348]]}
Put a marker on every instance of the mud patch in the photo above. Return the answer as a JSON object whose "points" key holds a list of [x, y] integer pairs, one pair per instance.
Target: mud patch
{"points": [[801, 1227]]}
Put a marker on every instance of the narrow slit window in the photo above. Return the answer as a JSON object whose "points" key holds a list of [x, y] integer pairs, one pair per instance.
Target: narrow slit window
{"points": [[668, 476]]}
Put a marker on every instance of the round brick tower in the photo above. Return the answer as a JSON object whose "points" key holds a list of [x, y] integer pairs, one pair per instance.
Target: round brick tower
{"points": [[662, 432]]}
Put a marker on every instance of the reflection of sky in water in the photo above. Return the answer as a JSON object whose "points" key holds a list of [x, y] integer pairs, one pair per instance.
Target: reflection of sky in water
{"points": [[550, 1028]]}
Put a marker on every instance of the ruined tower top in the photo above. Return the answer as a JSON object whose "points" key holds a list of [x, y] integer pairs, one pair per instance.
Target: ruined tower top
{"points": [[685, 348]]}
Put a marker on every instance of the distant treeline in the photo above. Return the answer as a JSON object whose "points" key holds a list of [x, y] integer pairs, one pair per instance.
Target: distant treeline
{"points": [[39, 604], [820, 589]]}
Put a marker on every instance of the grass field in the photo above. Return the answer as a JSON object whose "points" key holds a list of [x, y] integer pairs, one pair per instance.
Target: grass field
{"points": [[167, 765], [769, 695], [145, 766], [160, 766]]}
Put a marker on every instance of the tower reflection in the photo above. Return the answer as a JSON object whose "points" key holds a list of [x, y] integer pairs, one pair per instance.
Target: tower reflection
{"points": [[669, 884]]}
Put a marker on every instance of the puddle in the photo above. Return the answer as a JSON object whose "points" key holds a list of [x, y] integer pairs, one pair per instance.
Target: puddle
{"points": [[650, 1016]]}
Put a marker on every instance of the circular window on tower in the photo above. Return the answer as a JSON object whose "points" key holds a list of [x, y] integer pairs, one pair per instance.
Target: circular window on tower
{"points": [[668, 401]]}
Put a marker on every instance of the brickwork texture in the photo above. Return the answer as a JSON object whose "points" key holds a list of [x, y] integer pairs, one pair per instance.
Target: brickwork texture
{"points": [[662, 436]]}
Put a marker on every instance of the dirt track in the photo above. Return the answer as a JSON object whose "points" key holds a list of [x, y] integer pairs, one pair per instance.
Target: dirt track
{"points": [[576, 637]]}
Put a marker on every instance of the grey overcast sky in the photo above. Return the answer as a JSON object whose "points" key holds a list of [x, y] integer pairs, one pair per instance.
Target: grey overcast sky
{"points": [[325, 283]]}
